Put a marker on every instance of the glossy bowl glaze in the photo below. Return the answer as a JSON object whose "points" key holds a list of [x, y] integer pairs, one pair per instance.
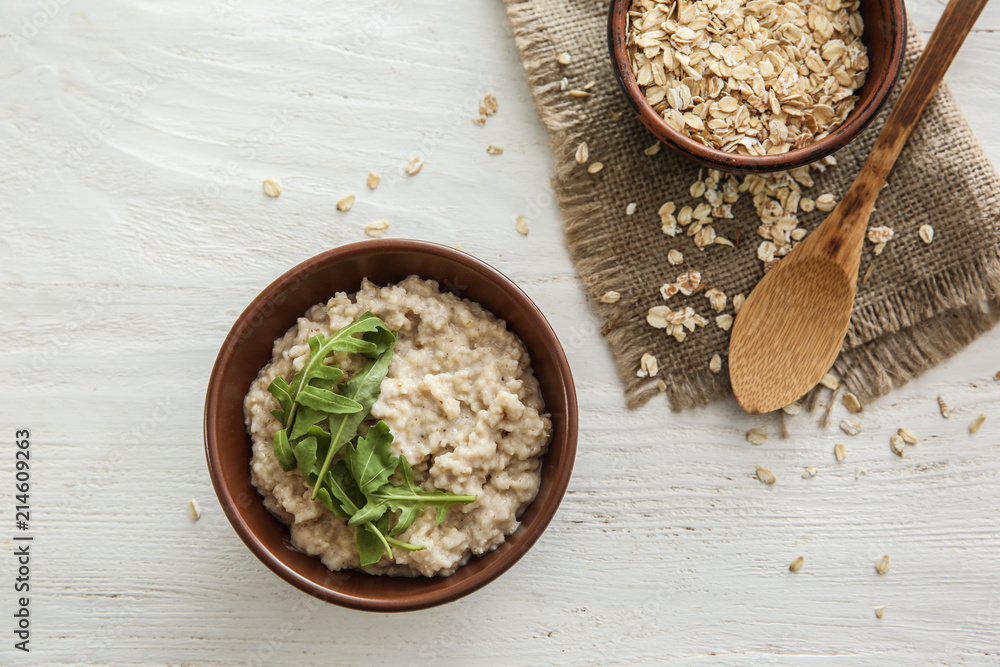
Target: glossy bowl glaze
{"points": [[247, 348], [885, 39]]}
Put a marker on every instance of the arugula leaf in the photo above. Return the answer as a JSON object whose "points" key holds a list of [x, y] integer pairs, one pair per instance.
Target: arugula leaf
{"points": [[283, 452], [372, 511], [324, 497], [305, 420], [363, 387], [371, 462], [305, 453], [410, 499], [343, 487], [327, 401], [373, 331], [370, 541]]}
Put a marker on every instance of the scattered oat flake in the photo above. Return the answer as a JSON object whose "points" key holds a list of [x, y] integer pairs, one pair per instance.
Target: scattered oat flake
{"points": [[724, 321], [738, 302], [488, 105], [715, 364], [997, 376], [414, 166], [926, 233], [908, 436], [654, 149], [717, 299], [861, 470], [345, 203], [850, 427], [756, 436], [879, 612], [376, 229], [852, 403], [661, 385], [657, 317], [826, 202], [194, 509], [272, 188], [611, 296], [880, 234], [840, 451], [944, 406], [977, 422], [766, 476], [796, 564], [688, 282], [579, 93], [522, 225], [792, 409], [675, 257], [882, 565], [564, 58], [373, 180], [630, 209], [595, 167], [897, 444], [582, 153], [810, 472], [829, 381], [648, 367], [494, 150]]}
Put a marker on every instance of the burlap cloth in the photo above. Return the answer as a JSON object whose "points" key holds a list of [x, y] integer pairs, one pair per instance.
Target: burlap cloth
{"points": [[921, 304]]}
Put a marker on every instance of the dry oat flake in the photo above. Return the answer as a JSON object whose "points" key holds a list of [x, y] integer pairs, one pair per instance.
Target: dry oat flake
{"points": [[766, 476], [345, 203], [272, 188], [376, 229], [522, 225], [414, 166]]}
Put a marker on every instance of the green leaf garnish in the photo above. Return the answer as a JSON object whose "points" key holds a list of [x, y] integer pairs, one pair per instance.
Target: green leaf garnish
{"points": [[356, 486], [410, 499], [371, 462]]}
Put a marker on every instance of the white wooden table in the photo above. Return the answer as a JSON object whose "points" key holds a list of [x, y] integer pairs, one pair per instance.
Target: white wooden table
{"points": [[135, 136]]}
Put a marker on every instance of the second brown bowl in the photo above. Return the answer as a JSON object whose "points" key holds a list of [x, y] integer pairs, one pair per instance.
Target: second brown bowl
{"points": [[884, 37]]}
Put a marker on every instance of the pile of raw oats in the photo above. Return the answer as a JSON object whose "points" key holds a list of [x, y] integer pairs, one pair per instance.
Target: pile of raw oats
{"points": [[756, 78]]}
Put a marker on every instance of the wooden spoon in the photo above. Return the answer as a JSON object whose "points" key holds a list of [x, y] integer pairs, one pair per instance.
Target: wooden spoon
{"points": [[792, 326]]}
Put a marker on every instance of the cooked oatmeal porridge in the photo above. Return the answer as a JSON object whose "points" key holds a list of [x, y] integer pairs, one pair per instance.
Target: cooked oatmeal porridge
{"points": [[463, 406]]}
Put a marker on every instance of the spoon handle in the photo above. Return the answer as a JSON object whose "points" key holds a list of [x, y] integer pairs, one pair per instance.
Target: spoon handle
{"points": [[843, 232], [955, 24]]}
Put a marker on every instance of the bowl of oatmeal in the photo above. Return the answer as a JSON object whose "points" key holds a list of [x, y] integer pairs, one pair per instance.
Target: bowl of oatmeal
{"points": [[476, 401], [757, 86]]}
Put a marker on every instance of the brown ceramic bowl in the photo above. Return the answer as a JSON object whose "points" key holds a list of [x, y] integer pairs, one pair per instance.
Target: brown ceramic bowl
{"points": [[247, 349], [885, 39]]}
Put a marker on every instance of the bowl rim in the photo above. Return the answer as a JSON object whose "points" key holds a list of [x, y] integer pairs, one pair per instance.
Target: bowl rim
{"points": [[505, 561], [679, 142]]}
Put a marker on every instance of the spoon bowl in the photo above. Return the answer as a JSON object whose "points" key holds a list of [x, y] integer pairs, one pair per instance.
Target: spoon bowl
{"points": [[767, 353]]}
